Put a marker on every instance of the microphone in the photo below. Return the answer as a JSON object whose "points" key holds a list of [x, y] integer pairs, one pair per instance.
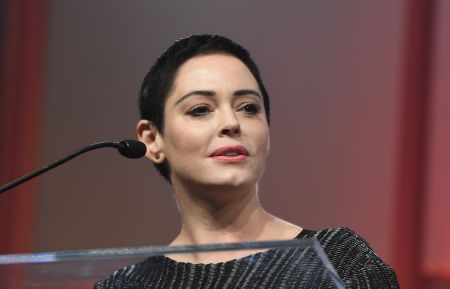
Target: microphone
{"points": [[132, 149]]}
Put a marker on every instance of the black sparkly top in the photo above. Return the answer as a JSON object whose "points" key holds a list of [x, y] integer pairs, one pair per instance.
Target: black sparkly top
{"points": [[354, 261]]}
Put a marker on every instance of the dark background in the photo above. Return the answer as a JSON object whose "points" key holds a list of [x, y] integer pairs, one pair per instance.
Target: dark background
{"points": [[359, 133]]}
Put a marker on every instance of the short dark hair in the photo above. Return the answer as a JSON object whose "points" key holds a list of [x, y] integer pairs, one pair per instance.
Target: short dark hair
{"points": [[159, 80]]}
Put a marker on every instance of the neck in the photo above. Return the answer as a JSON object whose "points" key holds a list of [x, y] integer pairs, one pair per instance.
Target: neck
{"points": [[231, 215], [225, 215]]}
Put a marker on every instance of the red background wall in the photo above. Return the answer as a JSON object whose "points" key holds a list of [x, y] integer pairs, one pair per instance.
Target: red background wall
{"points": [[360, 115]]}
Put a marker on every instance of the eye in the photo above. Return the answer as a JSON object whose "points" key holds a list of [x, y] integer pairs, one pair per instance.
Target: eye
{"points": [[200, 110], [251, 108]]}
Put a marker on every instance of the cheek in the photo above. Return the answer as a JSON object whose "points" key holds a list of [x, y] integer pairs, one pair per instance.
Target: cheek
{"points": [[263, 140], [181, 139], [268, 144]]}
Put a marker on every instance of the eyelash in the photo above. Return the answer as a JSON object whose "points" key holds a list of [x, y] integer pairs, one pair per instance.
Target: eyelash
{"points": [[250, 109], [199, 111]]}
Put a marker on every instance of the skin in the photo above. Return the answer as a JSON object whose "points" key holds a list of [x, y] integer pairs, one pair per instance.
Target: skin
{"points": [[215, 102]]}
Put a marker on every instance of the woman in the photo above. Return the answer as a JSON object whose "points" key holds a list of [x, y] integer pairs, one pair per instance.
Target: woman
{"points": [[205, 121]]}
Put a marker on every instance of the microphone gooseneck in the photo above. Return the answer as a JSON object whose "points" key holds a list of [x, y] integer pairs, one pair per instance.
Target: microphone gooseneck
{"points": [[129, 148]]}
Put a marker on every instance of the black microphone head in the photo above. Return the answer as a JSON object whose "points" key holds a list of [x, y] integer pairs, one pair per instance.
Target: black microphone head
{"points": [[132, 149]]}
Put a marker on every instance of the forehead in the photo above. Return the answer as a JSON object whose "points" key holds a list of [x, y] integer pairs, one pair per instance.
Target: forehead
{"points": [[217, 73], [212, 65]]}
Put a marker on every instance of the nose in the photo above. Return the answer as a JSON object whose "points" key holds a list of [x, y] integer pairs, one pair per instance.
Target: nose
{"points": [[231, 130], [230, 126]]}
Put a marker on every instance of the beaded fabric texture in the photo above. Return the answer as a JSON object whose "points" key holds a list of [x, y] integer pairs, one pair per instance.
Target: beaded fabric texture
{"points": [[355, 262]]}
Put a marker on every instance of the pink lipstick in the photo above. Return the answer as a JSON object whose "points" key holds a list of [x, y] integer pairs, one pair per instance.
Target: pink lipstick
{"points": [[230, 154]]}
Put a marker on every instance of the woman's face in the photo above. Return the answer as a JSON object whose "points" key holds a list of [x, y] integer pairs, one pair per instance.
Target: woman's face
{"points": [[215, 127]]}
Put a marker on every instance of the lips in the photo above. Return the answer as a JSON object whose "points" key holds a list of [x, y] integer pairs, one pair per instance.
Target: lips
{"points": [[230, 151], [230, 154]]}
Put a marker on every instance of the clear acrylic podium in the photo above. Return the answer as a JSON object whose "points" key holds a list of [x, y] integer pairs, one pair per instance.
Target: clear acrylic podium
{"points": [[81, 269]]}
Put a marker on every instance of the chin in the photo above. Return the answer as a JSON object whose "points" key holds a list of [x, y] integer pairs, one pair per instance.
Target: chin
{"points": [[221, 178], [233, 180]]}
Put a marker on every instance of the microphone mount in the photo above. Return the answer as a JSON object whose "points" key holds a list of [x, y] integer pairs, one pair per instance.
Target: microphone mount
{"points": [[128, 148]]}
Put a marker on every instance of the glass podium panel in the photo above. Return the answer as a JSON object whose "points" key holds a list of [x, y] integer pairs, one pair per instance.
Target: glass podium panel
{"points": [[277, 264]]}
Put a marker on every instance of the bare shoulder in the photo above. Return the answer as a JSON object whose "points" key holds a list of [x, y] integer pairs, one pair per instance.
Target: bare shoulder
{"points": [[282, 230]]}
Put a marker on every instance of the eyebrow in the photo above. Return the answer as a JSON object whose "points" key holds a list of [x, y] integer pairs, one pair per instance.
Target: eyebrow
{"points": [[241, 92]]}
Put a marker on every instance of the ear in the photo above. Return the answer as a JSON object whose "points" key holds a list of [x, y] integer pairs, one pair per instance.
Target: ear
{"points": [[150, 136]]}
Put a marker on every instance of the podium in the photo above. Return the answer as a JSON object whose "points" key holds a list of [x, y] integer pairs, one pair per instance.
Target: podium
{"points": [[82, 269]]}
